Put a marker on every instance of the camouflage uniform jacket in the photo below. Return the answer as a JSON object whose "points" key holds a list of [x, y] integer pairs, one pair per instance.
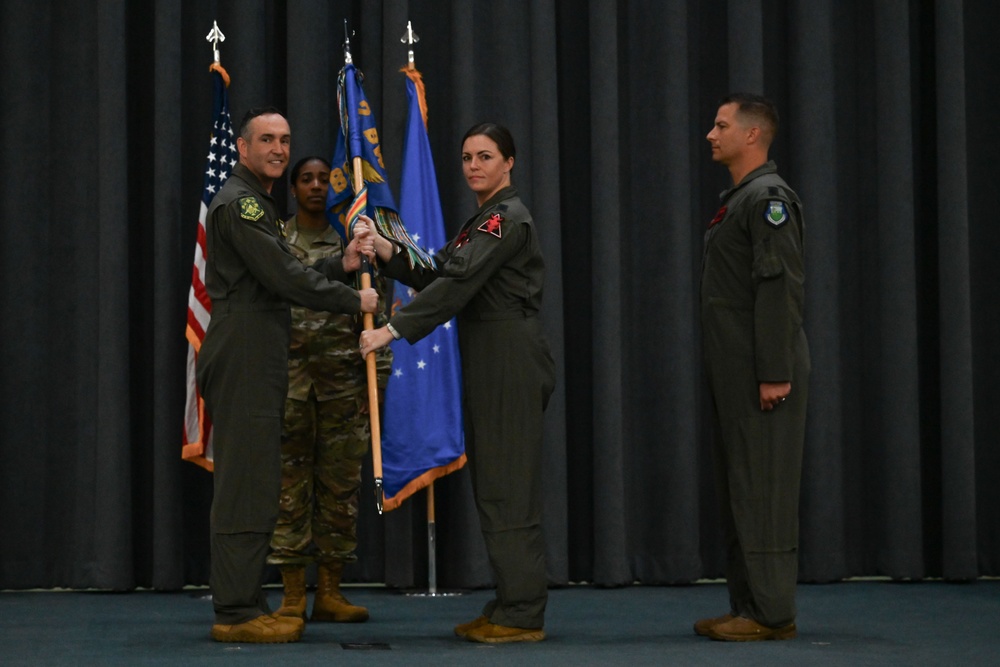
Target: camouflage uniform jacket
{"points": [[324, 346]]}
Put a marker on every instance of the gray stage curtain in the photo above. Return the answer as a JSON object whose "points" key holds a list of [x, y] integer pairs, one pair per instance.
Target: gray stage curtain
{"points": [[104, 119]]}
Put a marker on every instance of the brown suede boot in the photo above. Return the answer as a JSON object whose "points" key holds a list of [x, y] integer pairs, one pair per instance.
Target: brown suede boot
{"points": [[490, 633], [705, 625], [463, 630], [261, 630], [294, 601], [330, 605]]}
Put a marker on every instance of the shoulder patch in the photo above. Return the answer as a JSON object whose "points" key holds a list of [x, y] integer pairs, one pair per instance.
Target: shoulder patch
{"points": [[492, 225], [250, 209], [776, 214]]}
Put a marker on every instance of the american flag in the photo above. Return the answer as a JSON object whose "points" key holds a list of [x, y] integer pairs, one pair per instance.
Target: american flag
{"points": [[222, 157]]}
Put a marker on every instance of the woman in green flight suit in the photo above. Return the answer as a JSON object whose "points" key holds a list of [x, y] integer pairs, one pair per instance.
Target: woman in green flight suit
{"points": [[490, 276]]}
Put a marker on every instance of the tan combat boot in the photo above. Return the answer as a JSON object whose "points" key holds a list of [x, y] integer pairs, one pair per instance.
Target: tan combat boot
{"points": [[330, 605], [294, 601]]}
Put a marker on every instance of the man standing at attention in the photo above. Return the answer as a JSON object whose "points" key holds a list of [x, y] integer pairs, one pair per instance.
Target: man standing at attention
{"points": [[251, 277], [757, 362]]}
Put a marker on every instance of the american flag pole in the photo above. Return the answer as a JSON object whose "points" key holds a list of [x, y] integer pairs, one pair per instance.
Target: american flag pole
{"points": [[219, 162]]}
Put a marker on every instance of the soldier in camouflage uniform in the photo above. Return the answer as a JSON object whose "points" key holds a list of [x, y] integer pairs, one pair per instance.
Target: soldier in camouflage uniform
{"points": [[326, 429]]}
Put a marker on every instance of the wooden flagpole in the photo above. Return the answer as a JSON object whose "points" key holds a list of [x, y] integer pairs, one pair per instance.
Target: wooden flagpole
{"points": [[369, 324]]}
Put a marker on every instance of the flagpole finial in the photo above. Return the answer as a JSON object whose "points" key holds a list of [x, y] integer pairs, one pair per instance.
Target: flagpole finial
{"points": [[215, 36], [410, 38], [347, 45]]}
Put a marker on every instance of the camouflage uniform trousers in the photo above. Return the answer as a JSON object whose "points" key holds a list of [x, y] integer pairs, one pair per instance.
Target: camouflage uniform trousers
{"points": [[322, 446]]}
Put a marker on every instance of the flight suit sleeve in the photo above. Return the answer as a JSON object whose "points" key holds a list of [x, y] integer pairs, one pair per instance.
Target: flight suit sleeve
{"points": [[273, 264], [418, 277], [462, 275], [383, 356], [333, 268], [778, 277]]}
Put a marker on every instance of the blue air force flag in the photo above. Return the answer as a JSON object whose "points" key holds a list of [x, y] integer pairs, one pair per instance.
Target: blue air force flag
{"points": [[422, 438]]}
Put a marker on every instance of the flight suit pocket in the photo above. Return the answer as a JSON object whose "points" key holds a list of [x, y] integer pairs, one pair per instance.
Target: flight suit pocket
{"points": [[766, 264], [456, 266]]}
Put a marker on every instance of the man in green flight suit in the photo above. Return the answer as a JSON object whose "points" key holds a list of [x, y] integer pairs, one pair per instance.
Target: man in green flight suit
{"points": [[757, 362], [243, 370]]}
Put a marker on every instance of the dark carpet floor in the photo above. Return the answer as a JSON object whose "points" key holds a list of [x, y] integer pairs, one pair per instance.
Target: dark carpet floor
{"points": [[853, 623]]}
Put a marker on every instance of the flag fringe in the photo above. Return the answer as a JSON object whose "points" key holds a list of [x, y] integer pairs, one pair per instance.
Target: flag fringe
{"points": [[192, 452], [192, 339], [422, 481], [217, 67], [418, 81]]}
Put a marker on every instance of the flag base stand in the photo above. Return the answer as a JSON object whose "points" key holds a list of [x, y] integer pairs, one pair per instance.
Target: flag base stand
{"points": [[432, 591]]}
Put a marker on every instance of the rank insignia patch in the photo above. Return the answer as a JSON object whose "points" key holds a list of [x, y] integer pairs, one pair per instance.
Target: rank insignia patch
{"points": [[492, 225], [776, 214], [250, 209]]}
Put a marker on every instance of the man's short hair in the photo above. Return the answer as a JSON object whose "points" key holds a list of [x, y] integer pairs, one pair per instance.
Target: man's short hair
{"points": [[252, 113], [758, 109]]}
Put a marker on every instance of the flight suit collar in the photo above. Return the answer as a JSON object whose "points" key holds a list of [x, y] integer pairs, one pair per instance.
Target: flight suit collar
{"points": [[504, 193], [251, 179], [768, 167]]}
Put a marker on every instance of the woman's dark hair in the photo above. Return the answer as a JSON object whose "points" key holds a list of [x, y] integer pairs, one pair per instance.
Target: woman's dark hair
{"points": [[294, 173], [498, 133]]}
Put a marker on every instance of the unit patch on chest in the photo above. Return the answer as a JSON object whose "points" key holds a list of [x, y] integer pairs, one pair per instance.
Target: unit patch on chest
{"points": [[776, 214], [492, 225], [250, 209]]}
